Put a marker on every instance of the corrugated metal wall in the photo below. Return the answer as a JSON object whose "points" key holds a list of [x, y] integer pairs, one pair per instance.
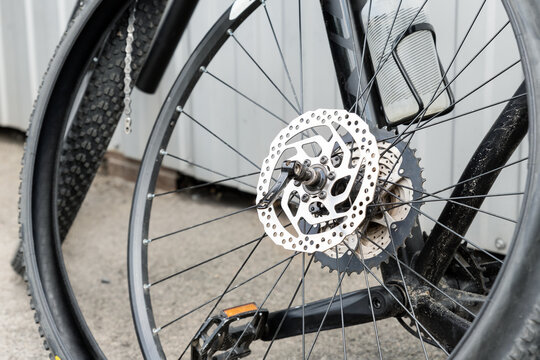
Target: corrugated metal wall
{"points": [[30, 29], [29, 33]]}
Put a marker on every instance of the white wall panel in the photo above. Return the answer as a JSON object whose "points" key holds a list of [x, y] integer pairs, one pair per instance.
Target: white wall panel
{"points": [[29, 33]]}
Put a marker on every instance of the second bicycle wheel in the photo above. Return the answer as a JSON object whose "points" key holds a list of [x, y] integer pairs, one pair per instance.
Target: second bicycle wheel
{"points": [[306, 229]]}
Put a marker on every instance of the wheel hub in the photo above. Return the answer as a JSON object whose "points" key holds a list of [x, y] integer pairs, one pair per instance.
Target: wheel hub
{"points": [[319, 213]]}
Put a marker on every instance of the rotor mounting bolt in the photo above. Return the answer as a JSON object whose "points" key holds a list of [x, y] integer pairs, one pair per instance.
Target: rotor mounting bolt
{"points": [[297, 183], [305, 198], [322, 195], [324, 159], [307, 162], [331, 175]]}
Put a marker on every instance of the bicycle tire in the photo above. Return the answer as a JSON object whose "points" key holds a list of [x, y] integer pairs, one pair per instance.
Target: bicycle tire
{"points": [[82, 150]]}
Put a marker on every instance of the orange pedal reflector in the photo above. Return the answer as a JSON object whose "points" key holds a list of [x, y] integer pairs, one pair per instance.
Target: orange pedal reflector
{"points": [[240, 309]]}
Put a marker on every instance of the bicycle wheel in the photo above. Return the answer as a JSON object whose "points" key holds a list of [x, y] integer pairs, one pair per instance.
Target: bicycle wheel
{"points": [[72, 124], [320, 181]]}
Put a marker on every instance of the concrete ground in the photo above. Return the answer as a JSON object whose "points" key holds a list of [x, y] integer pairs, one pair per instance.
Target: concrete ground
{"points": [[95, 254]]}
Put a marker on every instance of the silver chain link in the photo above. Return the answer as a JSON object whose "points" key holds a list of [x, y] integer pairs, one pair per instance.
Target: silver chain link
{"points": [[127, 69]]}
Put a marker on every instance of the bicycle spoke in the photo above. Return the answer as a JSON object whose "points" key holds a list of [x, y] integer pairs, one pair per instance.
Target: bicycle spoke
{"points": [[420, 117], [280, 52], [288, 308], [231, 34], [371, 308], [348, 20], [435, 95], [165, 153], [406, 289], [220, 139], [460, 46], [149, 240], [206, 71], [226, 289], [195, 187], [465, 181], [328, 308], [382, 53], [451, 200], [205, 261], [395, 298], [301, 55], [418, 274], [446, 227], [341, 307], [456, 117], [361, 71], [369, 85], [303, 307], [422, 198], [480, 175], [260, 307], [410, 137], [420, 125]]}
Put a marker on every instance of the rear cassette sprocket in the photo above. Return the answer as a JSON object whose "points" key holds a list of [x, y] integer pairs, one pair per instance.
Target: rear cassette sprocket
{"points": [[390, 222]]}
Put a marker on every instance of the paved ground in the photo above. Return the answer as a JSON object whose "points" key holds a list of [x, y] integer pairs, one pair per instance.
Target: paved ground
{"points": [[96, 259]]}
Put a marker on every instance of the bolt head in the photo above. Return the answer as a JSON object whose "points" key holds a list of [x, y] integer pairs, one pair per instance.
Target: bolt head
{"points": [[305, 198], [322, 195], [500, 244], [307, 162], [324, 159], [297, 183], [331, 175]]}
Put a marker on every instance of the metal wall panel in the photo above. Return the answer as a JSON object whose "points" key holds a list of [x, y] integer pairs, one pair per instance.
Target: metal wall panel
{"points": [[30, 29], [29, 33]]}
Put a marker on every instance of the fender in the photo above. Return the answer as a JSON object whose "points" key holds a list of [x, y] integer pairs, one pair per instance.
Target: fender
{"points": [[167, 37], [164, 44]]}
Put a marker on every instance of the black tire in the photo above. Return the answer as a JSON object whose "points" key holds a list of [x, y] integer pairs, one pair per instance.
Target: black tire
{"points": [[91, 130], [514, 301], [77, 158]]}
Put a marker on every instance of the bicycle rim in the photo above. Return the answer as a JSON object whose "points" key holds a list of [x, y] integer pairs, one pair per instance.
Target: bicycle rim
{"points": [[143, 285]]}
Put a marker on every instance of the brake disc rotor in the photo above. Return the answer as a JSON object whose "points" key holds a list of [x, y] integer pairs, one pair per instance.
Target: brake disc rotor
{"points": [[315, 219]]}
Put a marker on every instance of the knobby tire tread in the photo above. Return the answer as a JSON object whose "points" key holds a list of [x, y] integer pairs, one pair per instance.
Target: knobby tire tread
{"points": [[92, 128]]}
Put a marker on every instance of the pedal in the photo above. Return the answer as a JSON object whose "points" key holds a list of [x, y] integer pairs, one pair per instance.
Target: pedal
{"points": [[218, 340]]}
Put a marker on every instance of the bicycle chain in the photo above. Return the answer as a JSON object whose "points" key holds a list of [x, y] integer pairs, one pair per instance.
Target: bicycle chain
{"points": [[127, 70]]}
